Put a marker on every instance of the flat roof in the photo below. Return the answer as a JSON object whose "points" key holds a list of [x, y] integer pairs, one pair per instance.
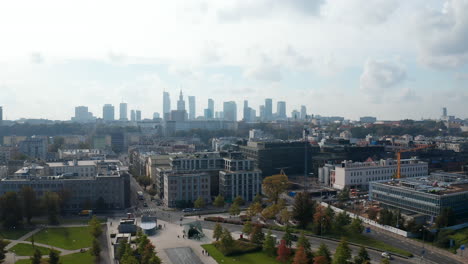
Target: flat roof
{"points": [[437, 184]]}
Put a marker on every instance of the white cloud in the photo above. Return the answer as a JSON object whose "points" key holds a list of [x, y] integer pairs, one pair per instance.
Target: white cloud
{"points": [[37, 58], [380, 76]]}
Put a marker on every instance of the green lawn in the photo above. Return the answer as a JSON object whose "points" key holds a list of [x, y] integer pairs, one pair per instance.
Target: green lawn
{"points": [[65, 237], [22, 249], [77, 258], [13, 233], [250, 258]]}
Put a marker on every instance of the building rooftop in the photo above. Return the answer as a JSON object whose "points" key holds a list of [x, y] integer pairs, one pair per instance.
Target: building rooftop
{"points": [[436, 183]]}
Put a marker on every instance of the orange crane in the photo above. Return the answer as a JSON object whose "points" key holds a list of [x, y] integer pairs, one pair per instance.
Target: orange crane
{"points": [[398, 155]]}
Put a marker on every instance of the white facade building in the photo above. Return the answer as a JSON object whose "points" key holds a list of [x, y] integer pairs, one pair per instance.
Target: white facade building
{"points": [[358, 174]]}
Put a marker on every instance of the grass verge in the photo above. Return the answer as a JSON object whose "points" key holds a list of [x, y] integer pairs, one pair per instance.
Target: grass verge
{"points": [[23, 249], [249, 258], [65, 237]]}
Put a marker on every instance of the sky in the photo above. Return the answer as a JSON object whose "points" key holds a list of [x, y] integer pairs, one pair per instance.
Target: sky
{"points": [[393, 59]]}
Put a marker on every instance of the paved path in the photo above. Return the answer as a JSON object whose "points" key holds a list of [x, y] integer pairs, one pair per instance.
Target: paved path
{"points": [[182, 255]]}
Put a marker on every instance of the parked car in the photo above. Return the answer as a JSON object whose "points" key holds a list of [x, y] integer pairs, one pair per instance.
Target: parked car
{"points": [[187, 210], [386, 255], [145, 204]]}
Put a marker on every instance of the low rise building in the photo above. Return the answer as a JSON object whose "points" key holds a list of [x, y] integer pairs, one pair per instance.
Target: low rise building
{"points": [[34, 147], [427, 195], [183, 188], [358, 175]]}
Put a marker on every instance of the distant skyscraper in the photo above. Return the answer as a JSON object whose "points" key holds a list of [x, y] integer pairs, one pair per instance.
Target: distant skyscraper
{"points": [[253, 114], [268, 109], [108, 112], [209, 112], [132, 116], [262, 112], [138, 115], [156, 115], [295, 115], [246, 111], [1, 114], [444, 111], [123, 112], [82, 114], [181, 102], [230, 111], [281, 110], [303, 112], [166, 105], [211, 105], [192, 107]]}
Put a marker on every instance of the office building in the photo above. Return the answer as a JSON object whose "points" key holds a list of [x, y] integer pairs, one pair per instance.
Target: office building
{"points": [[123, 112], [239, 178], [1, 115], [262, 112], [295, 115], [444, 112], [281, 110], [230, 111], [207, 114], [192, 107], [138, 115], [183, 188], [303, 112], [268, 109], [272, 156], [156, 115], [368, 119], [82, 114], [358, 175], [178, 115], [108, 112], [181, 102], [427, 195], [34, 147], [132, 115], [253, 114], [166, 105], [246, 112]]}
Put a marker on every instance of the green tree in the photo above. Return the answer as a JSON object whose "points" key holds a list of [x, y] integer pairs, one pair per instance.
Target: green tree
{"points": [[234, 209], [226, 242], [342, 219], [344, 195], [95, 227], [3, 245], [37, 257], [95, 249], [342, 253], [254, 209], [284, 216], [54, 257], [257, 236], [288, 236], [356, 226], [303, 209], [257, 199], [28, 196], [274, 186], [247, 228], [51, 203], [144, 180], [324, 252], [269, 245], [11, 210], [304, 242], [322, 222], [446, 218], [122, 249], [219, 201], [362, 256], [239, 200], [218, 231], [199, 203]]}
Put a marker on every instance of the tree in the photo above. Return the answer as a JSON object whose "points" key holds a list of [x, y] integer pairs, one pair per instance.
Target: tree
{"points": [[227, 242], [29, 202], [342, 253], [342, 219], [304, 242], [11, 210], [247, 228], [283, 252], [300, 257], [271, 211], [269, 245], [372, 214], [219, 201], [37, 257], [344, 195], [324, 252], [122, 249], [321, 260], [274, 186], [303, 209], [144, 180], [50, 202], [257, 235], [254, 209], [288, 236], [234, 209], [199, 203], [385, 261], [96, 249], [356, 226], [54, 257], [322, 222], [218, 231], [95, 227], [258, 199], [285, 216], [3, 245], [239, 200], [362, 256], [446, 218]]}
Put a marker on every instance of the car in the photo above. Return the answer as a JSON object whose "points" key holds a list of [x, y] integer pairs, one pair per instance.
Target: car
{"points": [[386, 255], [196, 209], [145, 204], [187, 210]]}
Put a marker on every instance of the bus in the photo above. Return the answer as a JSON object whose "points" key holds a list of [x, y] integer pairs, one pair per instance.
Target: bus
{"points": [[140, 195]]}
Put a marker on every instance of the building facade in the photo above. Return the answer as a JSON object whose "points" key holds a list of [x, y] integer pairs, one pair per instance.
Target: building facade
{"points": [[108, 112], [239, 178], [34, 147], [182, 188], [123, 112]]}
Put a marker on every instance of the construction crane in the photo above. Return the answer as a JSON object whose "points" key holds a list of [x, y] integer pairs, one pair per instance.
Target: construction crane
{"points": [[398, 155]]}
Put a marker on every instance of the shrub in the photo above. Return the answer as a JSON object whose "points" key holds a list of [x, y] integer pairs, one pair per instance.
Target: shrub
{"points": [[240, 247]]}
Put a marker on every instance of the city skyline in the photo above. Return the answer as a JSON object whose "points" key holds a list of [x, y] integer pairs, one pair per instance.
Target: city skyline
{"points": [[402, 59]]}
